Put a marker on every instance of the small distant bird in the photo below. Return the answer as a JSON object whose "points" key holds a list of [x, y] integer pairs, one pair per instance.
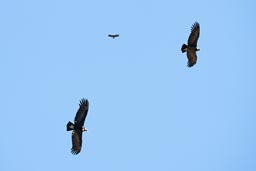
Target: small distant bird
{"points": [[78, 126], [113, 35], [191, 48]]}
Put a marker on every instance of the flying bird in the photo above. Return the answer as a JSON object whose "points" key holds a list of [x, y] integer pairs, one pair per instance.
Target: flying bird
{"points": [[78, 126], [191, 48], [113, 35]]}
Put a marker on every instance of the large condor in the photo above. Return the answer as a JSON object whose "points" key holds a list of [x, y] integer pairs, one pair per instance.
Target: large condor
{"points": [[78, 126], [191, 48]]}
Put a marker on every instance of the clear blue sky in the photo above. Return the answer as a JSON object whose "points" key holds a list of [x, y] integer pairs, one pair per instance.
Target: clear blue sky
{"points": [[148, 111]]}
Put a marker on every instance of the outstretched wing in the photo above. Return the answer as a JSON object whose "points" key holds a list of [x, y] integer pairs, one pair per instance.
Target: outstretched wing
{"points": [[191, 58], [76, 142], [194, 35], [82, 112]]}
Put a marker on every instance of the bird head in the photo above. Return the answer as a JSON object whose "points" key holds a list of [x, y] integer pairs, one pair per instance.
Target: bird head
{"points": [[84, 129]]}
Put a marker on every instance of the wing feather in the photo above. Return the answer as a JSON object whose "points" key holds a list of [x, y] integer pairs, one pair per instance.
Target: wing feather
{"points": [[82, 112], [76, 142], [194, 35], [191, 58]]}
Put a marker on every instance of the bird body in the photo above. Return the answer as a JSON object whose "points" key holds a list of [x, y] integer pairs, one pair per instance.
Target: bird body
{"points": [[191, 48], [77, 127], [186, 48], [71, 126]]}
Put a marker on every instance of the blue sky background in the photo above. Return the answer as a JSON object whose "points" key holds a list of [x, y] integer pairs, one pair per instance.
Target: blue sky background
{"points": [[148, 111]]}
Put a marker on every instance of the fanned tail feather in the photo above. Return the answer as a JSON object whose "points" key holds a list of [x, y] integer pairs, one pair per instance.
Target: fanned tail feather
{"points": [[70, 126], [184, 48]]}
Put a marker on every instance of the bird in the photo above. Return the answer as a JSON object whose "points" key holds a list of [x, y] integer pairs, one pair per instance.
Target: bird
{"points": [[113, 35], [78, 126], [191, 48]]}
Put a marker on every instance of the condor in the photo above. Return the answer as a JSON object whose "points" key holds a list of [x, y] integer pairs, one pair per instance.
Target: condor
{"points": [[191, 48], [78, 126], [113, 35]]}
